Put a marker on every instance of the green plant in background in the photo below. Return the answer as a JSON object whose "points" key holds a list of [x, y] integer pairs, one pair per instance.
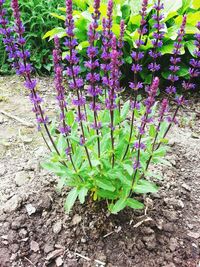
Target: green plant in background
{"points": [[128, 11], [37, 20]]}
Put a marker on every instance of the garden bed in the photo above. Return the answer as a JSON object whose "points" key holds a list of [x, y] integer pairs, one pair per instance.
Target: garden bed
{"points": [[35, 231]]}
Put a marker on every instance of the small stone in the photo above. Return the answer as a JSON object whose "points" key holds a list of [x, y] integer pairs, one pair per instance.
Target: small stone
{"points": [[173, 244], [76, 219], [54, 254], [12, 204], [48, 248], [30, 209], [2, 170], [194, 235], [21, 178], [147, 231], [59, 262], [170, 215], [168, 227], [14, 247], [23, 233], [83, 240], [57, 227], [34, 246], [160, 224], [186, 187]]}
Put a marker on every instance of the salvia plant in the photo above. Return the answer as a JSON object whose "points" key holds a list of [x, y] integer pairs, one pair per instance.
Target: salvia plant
{"points": [[101, 145]]}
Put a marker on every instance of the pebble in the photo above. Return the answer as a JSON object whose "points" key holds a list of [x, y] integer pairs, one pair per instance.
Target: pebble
{"points": [[23, 233], [173, 244], [30, 209], [48, 248], [21, 178], [186, 187], [194, 235], [12, 204], [59, 262], [34, 246], [2, 170], [76, 219], [57, 227]]}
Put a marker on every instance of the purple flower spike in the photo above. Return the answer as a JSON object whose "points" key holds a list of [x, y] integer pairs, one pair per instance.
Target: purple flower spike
{"points": [[194, 70], [175, 59], [107, 35], [158, 37], [15, 46]]}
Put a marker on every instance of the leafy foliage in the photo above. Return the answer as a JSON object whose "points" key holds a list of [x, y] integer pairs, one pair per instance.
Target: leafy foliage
{"points": [[128, 11], [37, 20]]}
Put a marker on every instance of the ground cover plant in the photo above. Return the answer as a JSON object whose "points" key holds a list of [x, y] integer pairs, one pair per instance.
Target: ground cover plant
{"points": [[128, 10], [37, 20], [101, 145]]}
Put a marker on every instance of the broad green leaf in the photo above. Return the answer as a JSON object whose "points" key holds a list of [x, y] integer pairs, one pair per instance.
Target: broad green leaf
{"points": [[196, 4], [83, 45], [161, 152], [104, 184], [191, 47], [185, 5], [82, 194], [134, 204], [70, 200], [118, 206], [106, 194], [128, 168], [171, 6], [152, 131], [70, 117], [91, 140], [95, 162], [61, 17], [61, 144], [60, 32], [144, 187], [125, 110]]}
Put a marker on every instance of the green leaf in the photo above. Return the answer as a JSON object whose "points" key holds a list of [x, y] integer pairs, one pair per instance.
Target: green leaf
{"points": [[144, 187], [196, 4], [83, 45], [191, 47], [82, 194], [171, 6], [118, 206], [152, 131], [91, 140], [161, 152], [128, 168], [70, 200], [61, 17], [125, 110], [60, 32], [61, 144], [104, 184], [106, 194], [70, 117], [134, 204]]}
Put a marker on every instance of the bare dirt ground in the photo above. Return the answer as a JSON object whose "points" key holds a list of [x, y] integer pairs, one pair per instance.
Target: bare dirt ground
{"points": [[35, 231]]}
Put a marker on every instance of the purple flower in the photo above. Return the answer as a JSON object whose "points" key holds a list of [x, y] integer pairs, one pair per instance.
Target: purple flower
{"points": [[136, 165], [174, 68], [158, 37], [137, 86]]}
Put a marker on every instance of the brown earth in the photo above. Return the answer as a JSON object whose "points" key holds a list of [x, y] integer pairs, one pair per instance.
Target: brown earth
{"points": [[35, 231]]}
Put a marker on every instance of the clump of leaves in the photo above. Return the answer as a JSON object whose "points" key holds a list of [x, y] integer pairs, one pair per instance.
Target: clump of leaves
{"points": [[100, 145], [37, 20]]}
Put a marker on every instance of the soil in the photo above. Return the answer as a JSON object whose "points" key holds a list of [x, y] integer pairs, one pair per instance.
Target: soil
{"points": [[34, 229]]}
